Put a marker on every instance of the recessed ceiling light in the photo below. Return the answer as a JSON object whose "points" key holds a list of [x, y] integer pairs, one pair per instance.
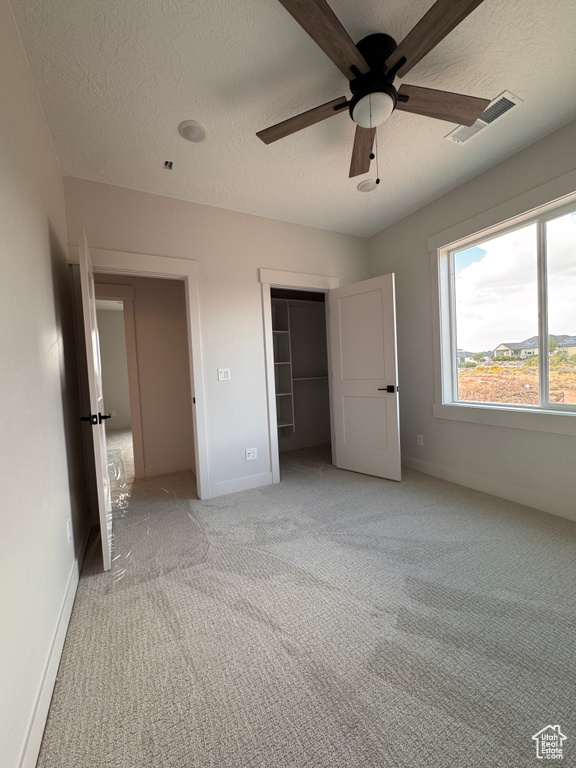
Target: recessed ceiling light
{"points": [[192, 130], [368, 185]]}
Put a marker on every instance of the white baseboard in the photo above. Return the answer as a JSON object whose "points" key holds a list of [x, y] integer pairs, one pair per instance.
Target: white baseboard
{"points": [[241, 484], [544, 503], [166, 468], [33, 741]]}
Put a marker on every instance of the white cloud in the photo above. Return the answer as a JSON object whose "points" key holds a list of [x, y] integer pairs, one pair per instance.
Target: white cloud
{"points": [[561, 239], [496, 297]]}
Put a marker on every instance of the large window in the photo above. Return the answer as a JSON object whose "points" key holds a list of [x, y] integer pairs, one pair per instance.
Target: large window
{"points": [[509, 309]]}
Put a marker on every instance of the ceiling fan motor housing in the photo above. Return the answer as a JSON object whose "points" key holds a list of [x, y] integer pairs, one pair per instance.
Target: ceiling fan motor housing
{"points": [[375, 49]]}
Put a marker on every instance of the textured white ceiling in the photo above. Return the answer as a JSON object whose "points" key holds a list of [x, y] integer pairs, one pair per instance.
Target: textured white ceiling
{"points": [[116, 79]]}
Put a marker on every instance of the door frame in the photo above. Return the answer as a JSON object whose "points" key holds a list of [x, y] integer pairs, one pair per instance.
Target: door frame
{"points": [[170, 268], [274, 278], [125, 294]]}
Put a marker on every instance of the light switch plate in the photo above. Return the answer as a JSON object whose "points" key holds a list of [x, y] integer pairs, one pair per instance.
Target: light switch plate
{"points": [[223, 374]]}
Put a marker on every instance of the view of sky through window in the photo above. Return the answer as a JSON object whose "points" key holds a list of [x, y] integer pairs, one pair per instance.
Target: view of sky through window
{"points": [[561, 258], [496, 291], [496, 316]]}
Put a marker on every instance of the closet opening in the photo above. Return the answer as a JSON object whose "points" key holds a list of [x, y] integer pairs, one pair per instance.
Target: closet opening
{"points": [[301, 380]]}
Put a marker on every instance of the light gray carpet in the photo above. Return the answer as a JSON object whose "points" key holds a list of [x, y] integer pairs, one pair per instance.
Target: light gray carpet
{"points": [[332, 621]]}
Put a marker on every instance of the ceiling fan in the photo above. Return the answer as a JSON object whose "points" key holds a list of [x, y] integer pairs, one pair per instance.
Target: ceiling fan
{"points": [[371, 67]]}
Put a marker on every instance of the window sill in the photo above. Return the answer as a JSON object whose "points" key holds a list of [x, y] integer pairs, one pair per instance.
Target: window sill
{"points": [[560, 423]]}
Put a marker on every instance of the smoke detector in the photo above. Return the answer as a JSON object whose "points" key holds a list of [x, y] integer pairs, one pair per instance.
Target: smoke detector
{"points": [[192, 130]]}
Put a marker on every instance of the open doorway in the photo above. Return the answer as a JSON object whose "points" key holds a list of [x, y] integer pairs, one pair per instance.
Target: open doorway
{"points": [[145, 370], [361, 366], [301, 380], [124, 267], [112, 331], [114, 266]]}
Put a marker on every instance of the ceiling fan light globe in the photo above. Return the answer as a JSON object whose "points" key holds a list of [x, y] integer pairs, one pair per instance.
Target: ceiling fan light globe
{"points": [[373, 109]]}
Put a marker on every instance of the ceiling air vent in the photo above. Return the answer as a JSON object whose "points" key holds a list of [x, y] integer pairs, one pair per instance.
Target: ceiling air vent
{"points": [[493, 112]]}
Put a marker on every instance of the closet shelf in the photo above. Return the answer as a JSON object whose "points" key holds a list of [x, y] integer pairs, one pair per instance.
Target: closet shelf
{"points": [[283, 364], [308, 378]]}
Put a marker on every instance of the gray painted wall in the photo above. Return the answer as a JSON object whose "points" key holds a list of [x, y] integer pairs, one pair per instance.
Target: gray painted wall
{"points": [[499, 459], [42, 483], [230, 247]]}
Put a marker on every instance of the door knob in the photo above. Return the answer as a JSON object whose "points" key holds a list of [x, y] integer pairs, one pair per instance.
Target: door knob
{"points": [[389, 388], [92, 418], [102, 416]]}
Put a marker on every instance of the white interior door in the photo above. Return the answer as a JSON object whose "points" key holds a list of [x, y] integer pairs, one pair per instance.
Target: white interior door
{"points": [[366, 432], [96, 418]]}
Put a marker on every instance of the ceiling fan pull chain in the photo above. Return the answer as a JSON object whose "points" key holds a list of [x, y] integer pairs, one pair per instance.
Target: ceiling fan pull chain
{"points": [[376, 137], [377, 166]]}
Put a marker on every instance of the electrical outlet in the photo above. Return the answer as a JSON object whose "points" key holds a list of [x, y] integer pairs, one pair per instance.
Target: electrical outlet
{"points": [[69, 530], [420, 440], [113, 414], [251, 454], [223, 374]]}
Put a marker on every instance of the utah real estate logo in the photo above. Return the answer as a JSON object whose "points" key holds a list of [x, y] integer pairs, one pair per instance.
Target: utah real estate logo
{"points": [[549, 743]]}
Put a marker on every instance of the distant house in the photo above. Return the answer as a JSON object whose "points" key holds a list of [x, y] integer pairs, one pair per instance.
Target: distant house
{"points": [[508, 349], [469, 357], [530, 347], [568, 345]]}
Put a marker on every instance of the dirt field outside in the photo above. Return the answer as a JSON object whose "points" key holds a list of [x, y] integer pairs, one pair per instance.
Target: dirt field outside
{"points": [[515, 383]]}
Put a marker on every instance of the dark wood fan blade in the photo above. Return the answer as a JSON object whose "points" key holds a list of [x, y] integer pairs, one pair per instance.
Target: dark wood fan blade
{"points": [[433, 27], [363, 141], [443, 105], [317, 18], [294, 124]]}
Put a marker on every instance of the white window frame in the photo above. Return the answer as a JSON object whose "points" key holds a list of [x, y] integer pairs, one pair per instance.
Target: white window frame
{"points": [[555, 417]]}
